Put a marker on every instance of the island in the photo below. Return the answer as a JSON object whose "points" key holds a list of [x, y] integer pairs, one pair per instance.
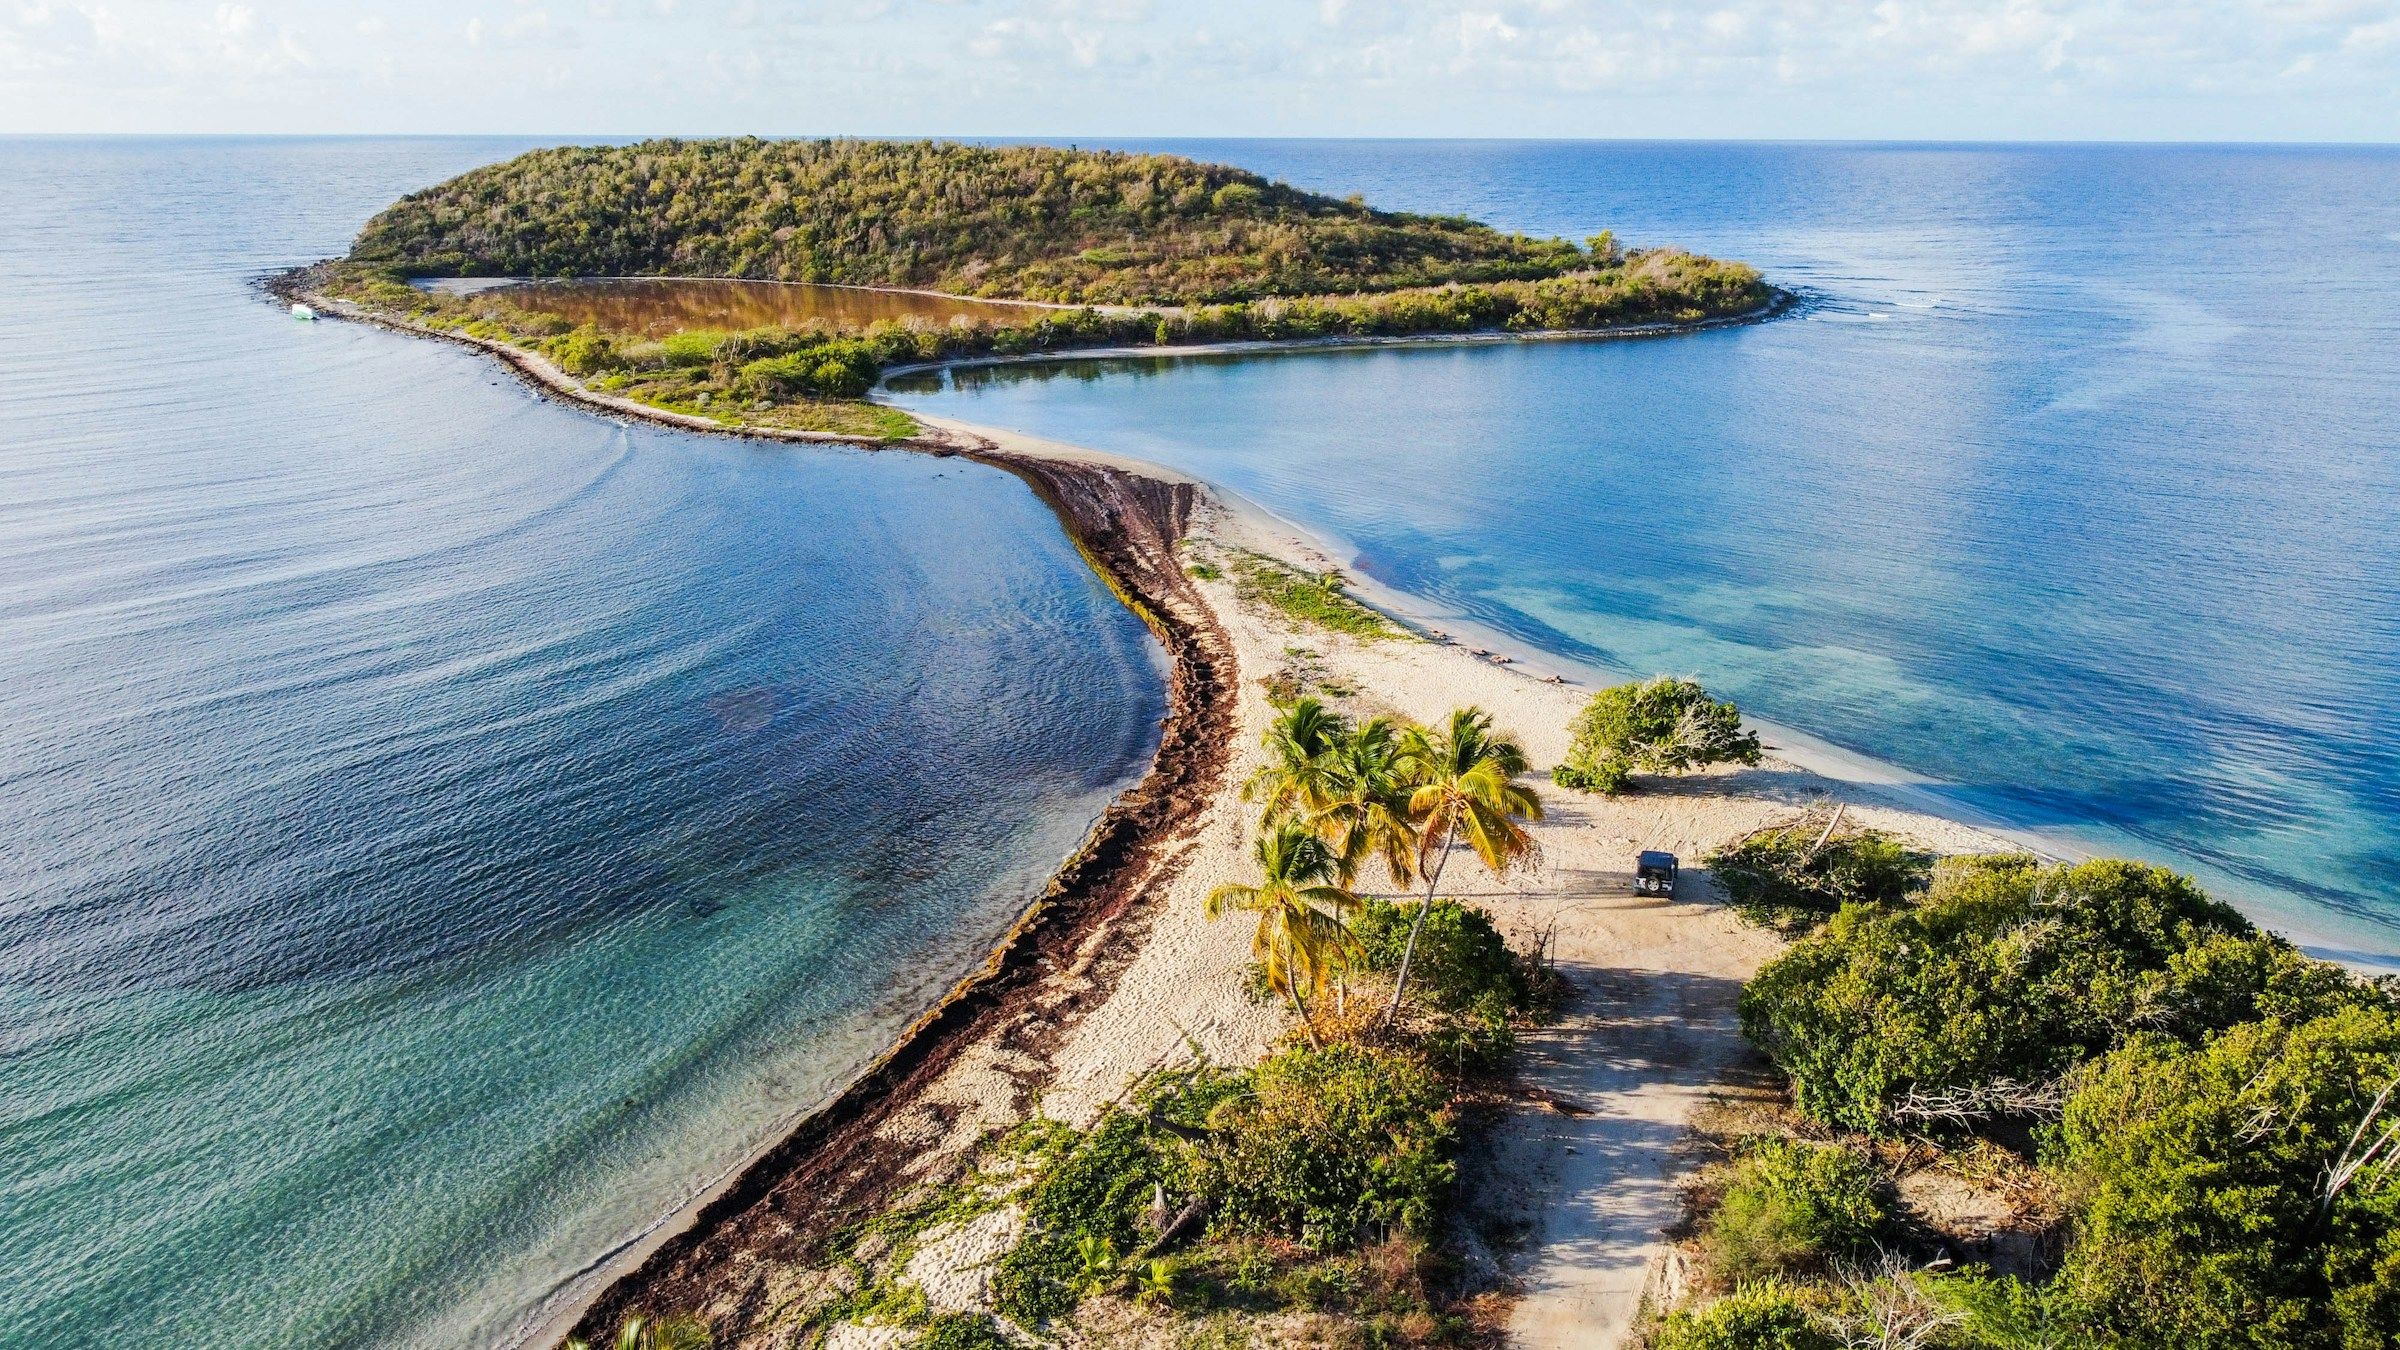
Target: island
{"points": [[1094, 250], [1418, 995]]}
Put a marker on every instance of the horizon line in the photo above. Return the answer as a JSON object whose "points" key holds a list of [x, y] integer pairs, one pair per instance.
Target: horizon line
{"points": [[1103, 137]]}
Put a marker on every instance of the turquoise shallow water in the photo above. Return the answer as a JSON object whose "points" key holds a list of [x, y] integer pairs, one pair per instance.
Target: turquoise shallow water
{"points": [[2075, 484], [439, 829]]}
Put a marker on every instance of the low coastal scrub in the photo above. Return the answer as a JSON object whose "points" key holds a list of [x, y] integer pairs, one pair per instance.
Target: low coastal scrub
{"points": [[1795, 1206], [1658, 725], [1314, 599], [1798, 875], [2003, 976], [1471, 989], [1764, 1316], [2213, 1117], [1314, 1153]]}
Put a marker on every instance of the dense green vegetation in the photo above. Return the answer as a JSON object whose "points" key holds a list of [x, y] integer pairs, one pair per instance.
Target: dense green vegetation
{"points": [[1762, 1316], [2006, 973], [2216, 1116], [2213, 1200], [1470, 987], [1032, 222], [1658, 725]]}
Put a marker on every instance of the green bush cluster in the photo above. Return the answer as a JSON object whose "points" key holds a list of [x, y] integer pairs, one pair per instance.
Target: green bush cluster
{"points": [[1658, 725], [1761, 1316], [2006, 970], [2200, 1178], [1468, 983], [1330, 1150], [1794, 1206], [1785, 877], [2226, 1136]]}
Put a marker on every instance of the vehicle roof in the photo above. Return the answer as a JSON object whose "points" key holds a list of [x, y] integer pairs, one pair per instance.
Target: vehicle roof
{"points": [[1653, 858]]}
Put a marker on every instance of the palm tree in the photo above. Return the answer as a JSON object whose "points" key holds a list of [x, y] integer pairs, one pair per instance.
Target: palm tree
{"points": [[1301, 935], [1364, 803], [1293, 779], [1465, 790]]}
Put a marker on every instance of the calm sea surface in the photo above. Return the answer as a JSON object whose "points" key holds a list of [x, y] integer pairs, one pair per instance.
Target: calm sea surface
{"points": [[439, 830], [2076, 485]]}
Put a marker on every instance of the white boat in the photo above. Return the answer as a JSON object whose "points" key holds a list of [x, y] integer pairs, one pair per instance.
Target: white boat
{"points": [[303, 312]]}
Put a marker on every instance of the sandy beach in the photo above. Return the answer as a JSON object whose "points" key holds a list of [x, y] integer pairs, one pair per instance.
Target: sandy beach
{"points": [[1117, 972]]}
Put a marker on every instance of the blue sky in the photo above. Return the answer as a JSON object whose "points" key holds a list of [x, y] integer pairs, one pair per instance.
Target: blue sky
{"points": [[1875, 69]]}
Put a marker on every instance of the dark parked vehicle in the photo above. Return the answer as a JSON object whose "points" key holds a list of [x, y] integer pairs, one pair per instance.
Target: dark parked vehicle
{"points": [[1654, 873]]}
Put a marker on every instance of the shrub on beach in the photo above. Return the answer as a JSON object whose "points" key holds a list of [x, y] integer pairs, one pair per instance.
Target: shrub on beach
{"points": [[1763, 1316], [1322, 1150], [1658, 725], [584, 351], [1329, 1148], [1794, 1206], [1786, 876], [1461, 958], [1467, 987]]}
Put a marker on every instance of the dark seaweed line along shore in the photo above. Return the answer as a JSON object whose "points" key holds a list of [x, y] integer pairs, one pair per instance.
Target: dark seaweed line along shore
{"points": [[831, 1168]]}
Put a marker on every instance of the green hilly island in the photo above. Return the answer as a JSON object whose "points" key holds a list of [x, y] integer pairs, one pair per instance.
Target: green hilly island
{"points": [[1026, 222], [1111, 250]]}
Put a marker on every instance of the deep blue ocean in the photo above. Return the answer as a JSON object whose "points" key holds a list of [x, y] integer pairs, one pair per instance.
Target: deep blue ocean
{"points": [[2074, 484], [440, 830]]}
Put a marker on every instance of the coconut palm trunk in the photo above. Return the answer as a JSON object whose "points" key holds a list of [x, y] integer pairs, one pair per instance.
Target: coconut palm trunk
{"points": [[1408, 951], [1465, 787]]}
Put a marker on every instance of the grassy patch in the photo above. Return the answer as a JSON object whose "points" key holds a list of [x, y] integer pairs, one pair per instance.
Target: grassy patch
{"points": [[1316, 599], [840, 417]]}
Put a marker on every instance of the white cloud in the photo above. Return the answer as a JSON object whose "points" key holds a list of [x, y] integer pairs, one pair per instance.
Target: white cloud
{"points": [[1344, 66]]}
